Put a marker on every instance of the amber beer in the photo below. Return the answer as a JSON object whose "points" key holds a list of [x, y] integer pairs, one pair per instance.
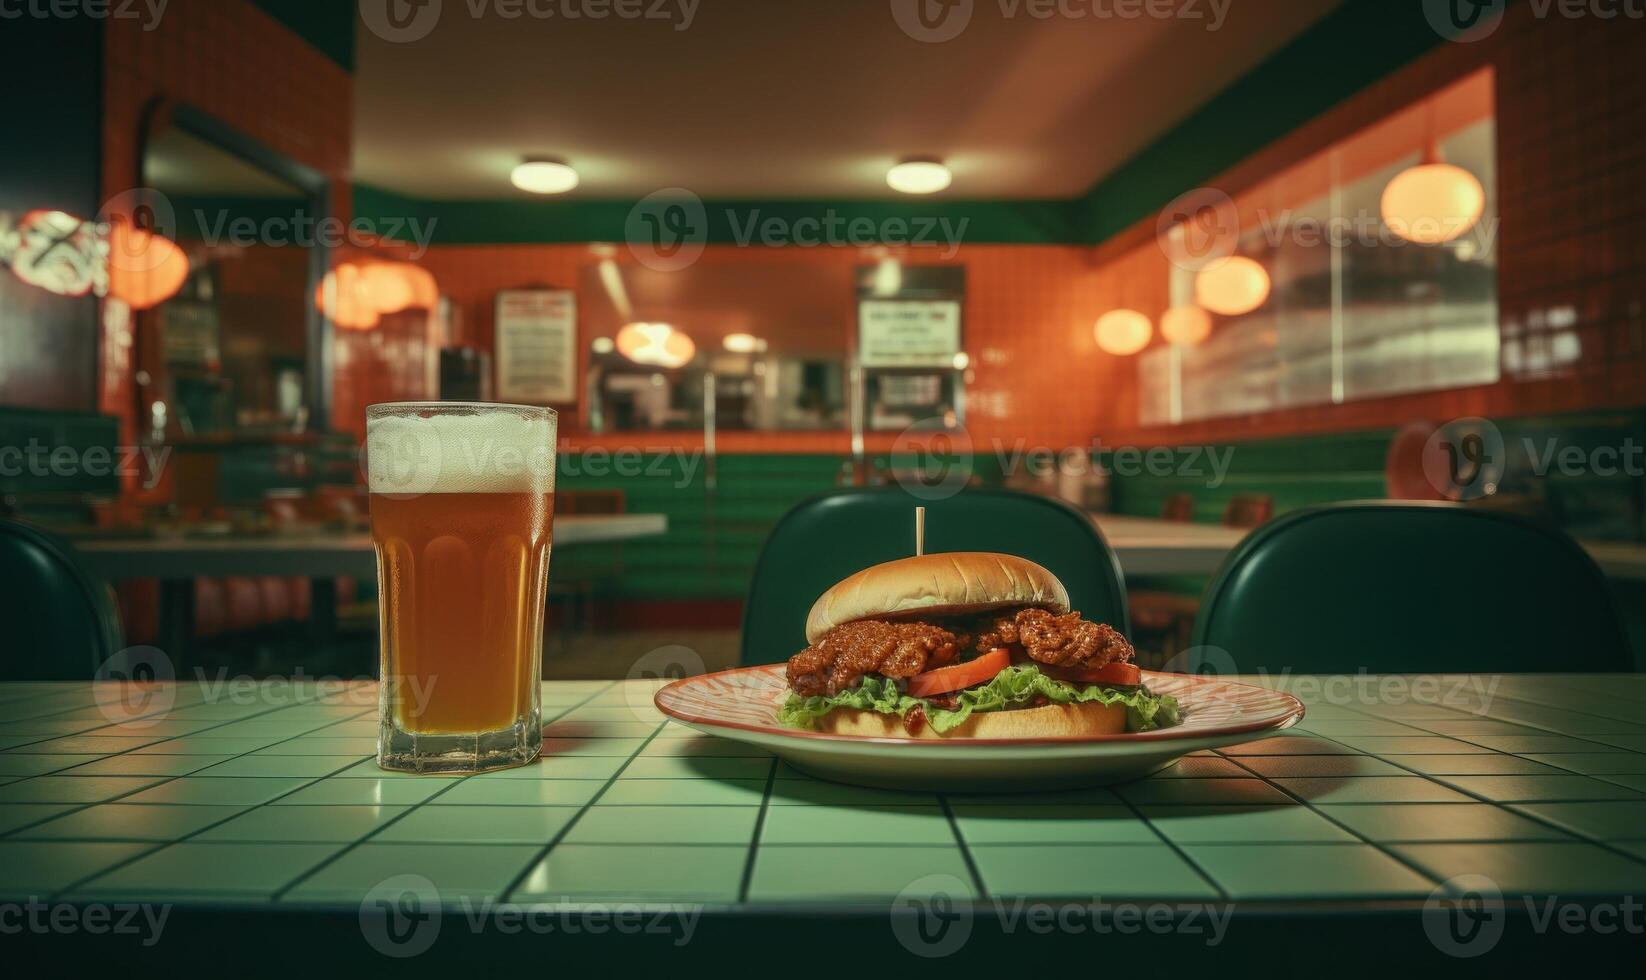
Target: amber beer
{"points": [[461, 501]]}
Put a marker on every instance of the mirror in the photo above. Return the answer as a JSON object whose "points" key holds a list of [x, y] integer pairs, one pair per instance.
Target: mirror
{"points": [[239, 349], [767, 344]]}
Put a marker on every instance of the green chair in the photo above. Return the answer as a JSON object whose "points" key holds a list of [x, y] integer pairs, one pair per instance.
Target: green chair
{"points": [[1406, 587], [824, 539], [60, 621]]}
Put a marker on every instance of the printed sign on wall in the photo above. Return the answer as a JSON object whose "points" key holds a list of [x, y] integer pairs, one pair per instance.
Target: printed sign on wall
{"points": [[908, 333], [536, 346]]}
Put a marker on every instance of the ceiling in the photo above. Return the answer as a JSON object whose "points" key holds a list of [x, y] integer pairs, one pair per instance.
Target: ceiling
{"points": [[781, 99]]}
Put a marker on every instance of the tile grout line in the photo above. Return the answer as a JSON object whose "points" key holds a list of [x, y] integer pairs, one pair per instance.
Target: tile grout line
{"points": [[1176, 848], [965, 851], [759, 826], [452, 784]]}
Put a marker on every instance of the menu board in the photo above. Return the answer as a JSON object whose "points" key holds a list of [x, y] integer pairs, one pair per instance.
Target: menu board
{"points": [[908, 333], [536, 346]]}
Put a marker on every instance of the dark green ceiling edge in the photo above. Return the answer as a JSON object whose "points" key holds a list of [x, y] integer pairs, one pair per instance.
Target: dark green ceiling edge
{"points": [[328, 25], [1350, 48]]}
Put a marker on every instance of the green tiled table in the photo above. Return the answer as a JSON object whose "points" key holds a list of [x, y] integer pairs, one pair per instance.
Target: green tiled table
{"points": [[255, 811]]}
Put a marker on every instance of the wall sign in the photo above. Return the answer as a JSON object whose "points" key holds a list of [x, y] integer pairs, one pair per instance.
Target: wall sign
{"points": [[908, 333], [536, 346]]}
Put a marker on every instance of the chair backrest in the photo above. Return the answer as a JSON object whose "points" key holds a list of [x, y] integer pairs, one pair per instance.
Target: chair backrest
{"points": [[60, 621], [1248, 509], [1408, 587], [824, 539], [1178, 507]]}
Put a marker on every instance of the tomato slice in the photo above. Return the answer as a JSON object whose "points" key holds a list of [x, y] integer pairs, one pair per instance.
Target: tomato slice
{"points": [[1117, 673], [959, 676]]}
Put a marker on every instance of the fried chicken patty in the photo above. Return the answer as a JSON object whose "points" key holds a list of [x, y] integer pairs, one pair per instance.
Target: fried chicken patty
{"points": [[844, 654]]}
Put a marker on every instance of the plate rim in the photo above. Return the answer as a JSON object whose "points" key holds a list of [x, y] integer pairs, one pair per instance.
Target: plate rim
{"points": [[1293, 714]]}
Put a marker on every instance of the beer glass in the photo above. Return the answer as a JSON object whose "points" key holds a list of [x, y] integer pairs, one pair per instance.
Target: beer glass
{"points": [[461, 501]]}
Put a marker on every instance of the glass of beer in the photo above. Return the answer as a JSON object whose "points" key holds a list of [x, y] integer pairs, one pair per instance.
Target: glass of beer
{"points": [[462, 496]]}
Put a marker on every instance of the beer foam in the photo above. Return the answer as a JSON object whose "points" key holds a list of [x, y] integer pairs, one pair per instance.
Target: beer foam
{"points": [[486, 451]]}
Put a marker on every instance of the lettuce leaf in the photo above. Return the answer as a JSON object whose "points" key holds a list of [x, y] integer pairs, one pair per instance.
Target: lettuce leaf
{"points": [[1015, 687]]}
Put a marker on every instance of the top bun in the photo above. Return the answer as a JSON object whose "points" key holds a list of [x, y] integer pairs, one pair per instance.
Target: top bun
{"points": [[937, 585]]}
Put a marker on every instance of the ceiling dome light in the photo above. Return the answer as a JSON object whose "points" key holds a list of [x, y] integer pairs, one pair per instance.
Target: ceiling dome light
{"points": [[1122, 332], [1186, 325], [544, 177], [741, 343], [656, 344], [919, 177], [1432, 202], [1233, 286]]}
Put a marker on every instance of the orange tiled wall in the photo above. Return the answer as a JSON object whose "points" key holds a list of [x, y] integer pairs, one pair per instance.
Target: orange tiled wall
{"points": [[1571, 175], [1037, 375]]}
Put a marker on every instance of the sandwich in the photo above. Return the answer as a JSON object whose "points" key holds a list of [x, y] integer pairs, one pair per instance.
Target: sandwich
{"points": [[964, 645]]}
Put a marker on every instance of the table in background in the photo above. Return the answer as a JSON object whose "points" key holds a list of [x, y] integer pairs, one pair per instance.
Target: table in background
{"points": [[1151, 546], [267, 819], [177, 561]]}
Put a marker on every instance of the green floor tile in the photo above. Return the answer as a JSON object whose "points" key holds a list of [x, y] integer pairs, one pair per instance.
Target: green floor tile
{"points": [[1529, 789], [1625, 820], [850, 825], [368, 792], [205, 745], [72, 789], [599, 729], [434, 824], [219, 790], [1529, 744], [36, 869], [1407, 822], [1370, 789], [665, 792], [665, 825], [1094, 824], [1595, 763], [130, 821], [1320, 765], [783, 874], [88, 744], [15, 815], [573, 872], [203, 870], [523, 792], [624, 747], [1630, 743], [601, 767], [1333, 727], [1200, 767], [133, 764], [1307, 871], [313, 745], [282, 765], [16, 764], [1287, 745], [304, 824], [1113, 872], [1634, 781], [1385, 745], [1090, 796], [697, 767], [1476, 764], [1565, 869], [1480, 726], [456, 870], [802, 790], [1242, 825], [1249, 791], [702, 745]]}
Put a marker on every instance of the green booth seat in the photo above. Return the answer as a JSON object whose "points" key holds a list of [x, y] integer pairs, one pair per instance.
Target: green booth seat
{"points": [[60, 620], [826, 538], [1405, 587]]}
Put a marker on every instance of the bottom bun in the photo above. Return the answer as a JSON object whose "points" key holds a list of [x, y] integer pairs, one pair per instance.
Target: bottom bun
{"points": [[1048, 721]]}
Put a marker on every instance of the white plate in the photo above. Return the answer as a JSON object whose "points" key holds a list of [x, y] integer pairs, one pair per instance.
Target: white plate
{"points": [[742, 705]]}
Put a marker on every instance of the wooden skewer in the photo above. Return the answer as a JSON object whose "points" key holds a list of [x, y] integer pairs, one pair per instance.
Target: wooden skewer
{"points": [[919, 531]]}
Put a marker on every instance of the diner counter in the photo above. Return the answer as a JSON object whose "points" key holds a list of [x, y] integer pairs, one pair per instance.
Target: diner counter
{"points": [[242, 805]]}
